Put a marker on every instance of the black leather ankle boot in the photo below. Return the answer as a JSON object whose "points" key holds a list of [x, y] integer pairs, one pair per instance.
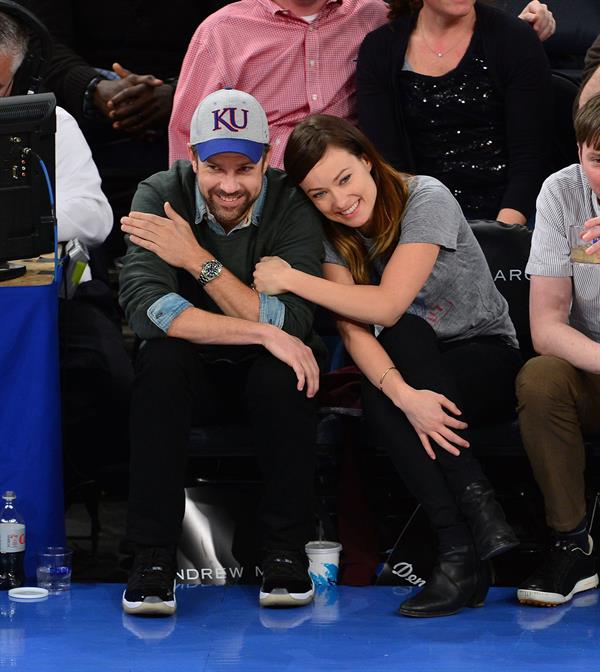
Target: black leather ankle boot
{"points": [[492, 534], [458, 580]]}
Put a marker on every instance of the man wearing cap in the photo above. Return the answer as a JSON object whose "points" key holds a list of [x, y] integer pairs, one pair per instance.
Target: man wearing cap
{"points": [[214, 350]]}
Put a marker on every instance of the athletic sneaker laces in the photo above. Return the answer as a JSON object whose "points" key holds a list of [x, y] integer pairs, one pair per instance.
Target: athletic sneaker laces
{"points": [[561, 559]]}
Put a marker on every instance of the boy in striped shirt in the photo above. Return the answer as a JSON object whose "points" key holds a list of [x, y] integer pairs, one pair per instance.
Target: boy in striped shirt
{"points": [[559, 391]]}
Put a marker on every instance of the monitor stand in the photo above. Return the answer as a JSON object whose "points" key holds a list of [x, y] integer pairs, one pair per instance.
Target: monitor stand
{"points": [[9, 270]]}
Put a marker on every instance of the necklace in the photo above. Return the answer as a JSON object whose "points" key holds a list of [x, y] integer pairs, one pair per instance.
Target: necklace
{"points": [[441, 54]]}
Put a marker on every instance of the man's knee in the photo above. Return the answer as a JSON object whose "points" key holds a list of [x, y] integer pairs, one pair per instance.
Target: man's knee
{"points": [[274, 382], [166, 358], [544, 381]]}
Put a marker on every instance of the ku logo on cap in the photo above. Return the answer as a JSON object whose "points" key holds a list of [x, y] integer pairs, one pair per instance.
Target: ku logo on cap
{"points": [[229, 118]]}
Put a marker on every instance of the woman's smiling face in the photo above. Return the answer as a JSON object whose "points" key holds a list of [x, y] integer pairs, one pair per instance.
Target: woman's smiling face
{"points": [[342, 188]]}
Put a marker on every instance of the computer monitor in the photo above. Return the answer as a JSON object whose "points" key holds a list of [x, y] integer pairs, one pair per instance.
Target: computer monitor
{"points": [[27, 130]]}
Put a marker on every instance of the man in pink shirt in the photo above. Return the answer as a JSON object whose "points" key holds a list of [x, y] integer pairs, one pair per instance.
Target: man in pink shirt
{"points": [[297, 57]]}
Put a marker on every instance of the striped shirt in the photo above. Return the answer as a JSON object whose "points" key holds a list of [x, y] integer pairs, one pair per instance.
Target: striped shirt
{"points": [[566, 199], [293, 67]]}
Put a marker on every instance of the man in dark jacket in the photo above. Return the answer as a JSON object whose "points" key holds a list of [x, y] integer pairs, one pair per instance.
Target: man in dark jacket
{"points": [[214, 349]]}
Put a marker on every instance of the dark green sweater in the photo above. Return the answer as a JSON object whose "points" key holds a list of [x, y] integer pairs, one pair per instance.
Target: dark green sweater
{"points": [[288, 227]]}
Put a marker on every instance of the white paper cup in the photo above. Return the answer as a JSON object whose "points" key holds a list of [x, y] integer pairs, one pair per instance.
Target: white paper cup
{"points": [[323, 562]]}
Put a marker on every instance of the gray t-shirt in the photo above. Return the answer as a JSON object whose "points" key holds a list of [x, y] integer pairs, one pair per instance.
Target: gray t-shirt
{"points": [[459, 298], [565, 199]]}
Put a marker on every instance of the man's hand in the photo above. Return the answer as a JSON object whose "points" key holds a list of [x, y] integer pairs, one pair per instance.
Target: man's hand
{"points": [[292, 351], [170, 238], [268, 275], [107, 89], [592, 234], [540, 18], [145, 103]]}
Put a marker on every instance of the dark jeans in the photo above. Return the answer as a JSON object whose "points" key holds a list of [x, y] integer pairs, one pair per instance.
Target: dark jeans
{"points": [[179, 385], [477, 375]]}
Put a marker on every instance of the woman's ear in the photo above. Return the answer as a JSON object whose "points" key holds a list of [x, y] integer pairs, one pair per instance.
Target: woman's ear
{"points": [[365, 159]]}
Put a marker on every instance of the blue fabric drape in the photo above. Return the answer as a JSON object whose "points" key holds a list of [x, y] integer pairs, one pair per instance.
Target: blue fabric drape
{"points": [[30, 439]]}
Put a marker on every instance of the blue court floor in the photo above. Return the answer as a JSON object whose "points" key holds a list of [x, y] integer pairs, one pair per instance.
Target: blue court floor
{"points": [[223, 629]]}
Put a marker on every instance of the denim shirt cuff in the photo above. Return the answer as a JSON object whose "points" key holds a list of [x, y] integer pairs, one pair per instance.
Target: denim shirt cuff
{"points": [[163, 311], [271, 310]]}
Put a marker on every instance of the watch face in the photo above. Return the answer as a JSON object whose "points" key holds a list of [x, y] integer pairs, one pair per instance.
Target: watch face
{"points": [[210, 270]]}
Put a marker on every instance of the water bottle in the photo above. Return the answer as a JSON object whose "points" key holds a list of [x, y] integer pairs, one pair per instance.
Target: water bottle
{"points": [[12, 545]]}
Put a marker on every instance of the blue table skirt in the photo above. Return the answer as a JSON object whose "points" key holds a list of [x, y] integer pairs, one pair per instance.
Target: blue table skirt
{"points": [[30, 438]]}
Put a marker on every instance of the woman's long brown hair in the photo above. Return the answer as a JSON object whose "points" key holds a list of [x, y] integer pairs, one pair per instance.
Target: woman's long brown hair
{"points": [[305, 148]]}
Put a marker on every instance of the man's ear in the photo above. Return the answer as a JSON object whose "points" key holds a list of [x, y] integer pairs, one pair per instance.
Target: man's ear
{"points": [[266, 160], [193, 157]]}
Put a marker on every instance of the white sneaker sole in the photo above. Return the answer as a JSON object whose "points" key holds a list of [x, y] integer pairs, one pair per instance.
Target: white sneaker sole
{"points": [[281, 598], [541, 599], [152, 606]]}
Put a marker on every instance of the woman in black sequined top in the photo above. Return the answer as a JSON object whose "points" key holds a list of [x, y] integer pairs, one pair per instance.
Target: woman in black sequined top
{"points": [[460, 91]]}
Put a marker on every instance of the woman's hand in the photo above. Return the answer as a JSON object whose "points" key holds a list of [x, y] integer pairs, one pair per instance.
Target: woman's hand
{"points": [[426, 412], [269, 275]]}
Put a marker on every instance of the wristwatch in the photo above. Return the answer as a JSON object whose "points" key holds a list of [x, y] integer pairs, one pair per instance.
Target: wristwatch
{"points": [[210, 270], [90, 111]]}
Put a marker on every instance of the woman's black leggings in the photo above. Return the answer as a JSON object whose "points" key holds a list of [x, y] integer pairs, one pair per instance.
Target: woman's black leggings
{"points": [[477, 374]]}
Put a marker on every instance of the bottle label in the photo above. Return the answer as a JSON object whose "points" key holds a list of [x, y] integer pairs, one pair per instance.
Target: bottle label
{"points": [[12, 537]]}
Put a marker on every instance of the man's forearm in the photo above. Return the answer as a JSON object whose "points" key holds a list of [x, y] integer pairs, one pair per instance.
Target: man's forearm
{"points": [[562, 340], [200, 326], [232, 296]]}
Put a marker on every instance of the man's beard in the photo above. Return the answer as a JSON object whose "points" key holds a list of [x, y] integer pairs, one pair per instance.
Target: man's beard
{"points": [[224, 215]]}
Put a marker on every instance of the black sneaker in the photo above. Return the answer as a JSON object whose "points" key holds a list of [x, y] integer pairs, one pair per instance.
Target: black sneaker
{"points": [[566, 571], [151, 587], [286, 582]]}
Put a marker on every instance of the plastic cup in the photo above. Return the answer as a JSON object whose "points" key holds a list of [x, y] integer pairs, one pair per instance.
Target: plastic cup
{"points": [[578, 246], [54, 569], [323, 562]]}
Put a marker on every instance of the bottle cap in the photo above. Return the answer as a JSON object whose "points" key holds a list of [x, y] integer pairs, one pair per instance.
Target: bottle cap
{"points": [[28, 593], [9, 495]]}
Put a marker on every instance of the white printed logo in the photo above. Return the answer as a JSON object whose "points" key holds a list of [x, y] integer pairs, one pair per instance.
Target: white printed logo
{"points": [[510, 275], [404, 570]]}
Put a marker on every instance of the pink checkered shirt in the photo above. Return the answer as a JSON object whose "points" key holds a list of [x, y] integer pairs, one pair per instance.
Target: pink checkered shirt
{"points": [[292, 67]]}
